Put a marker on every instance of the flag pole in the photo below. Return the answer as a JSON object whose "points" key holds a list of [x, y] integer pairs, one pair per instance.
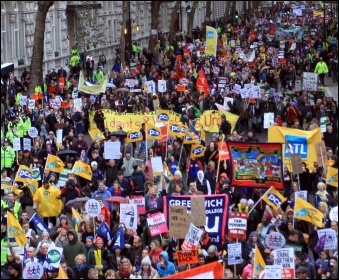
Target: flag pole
{"points": [[182, 146], [259, 200], [219, 159], [167, 138], [146, 132], [255, 250]]}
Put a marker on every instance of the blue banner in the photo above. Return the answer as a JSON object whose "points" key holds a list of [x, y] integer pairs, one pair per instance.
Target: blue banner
{"points": [[39, 223], [119, 239], [216, 214], [104, 232]]}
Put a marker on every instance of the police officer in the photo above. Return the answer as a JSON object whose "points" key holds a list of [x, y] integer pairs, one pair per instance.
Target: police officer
{"points": [[7, 157], [13, 205]]}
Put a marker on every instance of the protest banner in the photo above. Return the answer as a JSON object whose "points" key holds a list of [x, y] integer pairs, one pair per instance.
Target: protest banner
{"points": [[139, 200], [307, 212], [187, 257], [129, 215], [237, 224], [331, 242], [92, 88], [157, 223], [301, 141], [192, 238], [273, 198], [275, 240], [211, 41], [93, 207], [178, 221], [112, 150], [234, 253], [256, 165], [216, 214], [332, 176], [198, 210], [285, 258]]}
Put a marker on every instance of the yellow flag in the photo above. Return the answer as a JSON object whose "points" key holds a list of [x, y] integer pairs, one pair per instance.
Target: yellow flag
{"points": [[259, 263], [197, 151], [32, 185], [153, 132], [14, 229], [274, 198], [174, 129], [9, 188], [83, 170], [62, 274], [189, 139], [55, 164], [307, 212], [24, 174], [332, 176], [96, 134], [163, 116], [77, 218], [202, 134], [133, 136], [184, 130]]}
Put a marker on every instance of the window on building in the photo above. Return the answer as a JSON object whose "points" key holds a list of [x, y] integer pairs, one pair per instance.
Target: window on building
{"points": [[3, 33], [114, 31], [16, 34], [53, 32]]}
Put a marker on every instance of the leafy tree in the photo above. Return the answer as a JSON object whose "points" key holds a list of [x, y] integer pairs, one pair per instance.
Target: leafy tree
{"points": [[36, 71]]}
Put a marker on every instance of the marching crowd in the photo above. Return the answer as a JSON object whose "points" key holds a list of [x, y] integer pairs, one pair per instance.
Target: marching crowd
{"points": [[89, 255]]}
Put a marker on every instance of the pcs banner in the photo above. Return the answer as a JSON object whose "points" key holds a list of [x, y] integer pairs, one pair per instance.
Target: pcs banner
{"points": [[298, 142], [216, 213], [209, 120], [257, 165]]}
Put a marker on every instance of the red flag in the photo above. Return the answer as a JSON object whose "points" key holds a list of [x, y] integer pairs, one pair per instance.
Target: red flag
{"points": [[202, 83], [272, 30], [180, 73]]}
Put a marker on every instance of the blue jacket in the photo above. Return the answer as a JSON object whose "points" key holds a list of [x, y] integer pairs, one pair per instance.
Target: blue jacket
{"points": [[104, 195], [140, 179], [169, 268]]}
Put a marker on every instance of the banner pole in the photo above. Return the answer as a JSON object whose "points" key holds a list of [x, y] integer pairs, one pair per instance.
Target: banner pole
{"points": [[182, 146], [146, 132], [219, 159], [259, 200], [167, 138]]}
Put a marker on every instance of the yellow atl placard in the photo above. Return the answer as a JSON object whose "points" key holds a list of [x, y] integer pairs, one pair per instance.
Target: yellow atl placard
{"points": [[209, 120]]}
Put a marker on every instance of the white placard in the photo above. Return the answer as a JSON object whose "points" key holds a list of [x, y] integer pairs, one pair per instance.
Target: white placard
{"points": [[285, 257], [31, 104], [131, 82], [33, 270], [256, 92], [272, 272], [157, 165], [192, 238], [27, 144], [93, 207], [16, 144], [112, 150], [150, 85], [310, 81], [301, 194], [226, 99], [59, 136], [33, 132], [243, 92], [54, 255], [162, 85], [237, 87], [234, 253], [275, 240], [323, 124], [75, 93], [129, 215], [77, 105], [334, 214], [331, 242], [23, 100], [268, 119]]}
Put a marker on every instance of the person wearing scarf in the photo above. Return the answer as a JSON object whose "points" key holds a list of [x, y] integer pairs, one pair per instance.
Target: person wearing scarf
{"points": [[322, 195], [80, 269], [152, 201], [125, 269], [98, 257]]}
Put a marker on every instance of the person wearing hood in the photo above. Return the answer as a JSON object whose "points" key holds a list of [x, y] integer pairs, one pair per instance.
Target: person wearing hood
{"points": [[73, 248], [165, 267], [202, 184], [219, 185], [55, 230]]}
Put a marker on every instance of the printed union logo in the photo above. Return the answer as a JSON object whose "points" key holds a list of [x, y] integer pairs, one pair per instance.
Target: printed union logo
{"points": [[274, 199], [51, 165], [36, 174], [210, 34], [183, 129], [163, 117], [198, 151], [135, 135], [175, 128], [14, 231], [296, 145], [188, 137], [153, 132], [301, 213], [25, 174], [54, 256]]}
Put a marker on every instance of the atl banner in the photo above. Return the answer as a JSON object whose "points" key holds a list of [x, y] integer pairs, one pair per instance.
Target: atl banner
{"points": [[257, 165]]}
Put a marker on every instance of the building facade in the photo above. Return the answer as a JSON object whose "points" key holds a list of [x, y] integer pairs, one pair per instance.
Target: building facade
{"points": [[18, 27]]}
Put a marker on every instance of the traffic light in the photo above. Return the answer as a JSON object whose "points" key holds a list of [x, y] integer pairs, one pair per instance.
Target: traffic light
{"points": [[236, 15]]}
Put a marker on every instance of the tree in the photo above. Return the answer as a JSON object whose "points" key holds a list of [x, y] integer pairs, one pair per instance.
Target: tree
{"points": [[227, 11], [191, 15], [173, 22], [122, 33], [36, 71], [155, 20]]}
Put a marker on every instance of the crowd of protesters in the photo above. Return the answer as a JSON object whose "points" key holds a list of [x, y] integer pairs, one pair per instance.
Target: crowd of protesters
{"points": [[88, 256]]}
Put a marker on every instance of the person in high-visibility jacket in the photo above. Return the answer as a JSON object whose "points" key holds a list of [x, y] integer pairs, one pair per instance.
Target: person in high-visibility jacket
{"points": [[24, 124], [12, 133], [4, 242], [243, 206], [98, 75], [7, 157], [13, 205], [322, 69], [38, 88]]}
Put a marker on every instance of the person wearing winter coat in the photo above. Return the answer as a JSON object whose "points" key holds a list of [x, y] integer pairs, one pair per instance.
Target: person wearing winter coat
{"points": [[165, 267], [139, 177], [147, 271], [70, 192], [73, 248], [202, 184], [80, 268]]}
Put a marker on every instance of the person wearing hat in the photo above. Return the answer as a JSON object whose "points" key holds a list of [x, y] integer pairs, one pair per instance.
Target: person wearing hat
{"points": [[304, 262], [62, 240], [99, 257], [292, 113], [146, 269], [262, 228], [301, 272], [26, 158], [7, 157], [177, 180], [73, 248], [97, 175], [47, 203], [24, 124], [253, 218]]}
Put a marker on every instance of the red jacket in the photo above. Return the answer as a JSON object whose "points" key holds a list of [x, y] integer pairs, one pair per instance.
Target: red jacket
{"points": [[105, 212], [292, 113]]}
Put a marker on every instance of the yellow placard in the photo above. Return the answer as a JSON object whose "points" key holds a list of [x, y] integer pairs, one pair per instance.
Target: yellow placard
{"points": [[211, 41]]}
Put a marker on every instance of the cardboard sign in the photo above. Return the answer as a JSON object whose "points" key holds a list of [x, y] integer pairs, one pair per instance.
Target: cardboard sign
{"points": [[320, 149], [93, 207], [237, 224], [285, 258], [178, 221], [310, 81], [234, 253], [181, 88], [198, 210], [190, 257], [157, 223], [139, 200], [296, 162], [129, 215], [192, 238]]}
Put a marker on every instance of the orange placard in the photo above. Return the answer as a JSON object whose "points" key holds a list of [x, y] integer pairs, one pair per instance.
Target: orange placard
{"points": [[181, 88], [189, 257], [178, 57], [65, 104], [41, 95], [35, 97], [223, 151], [61, 82]]}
